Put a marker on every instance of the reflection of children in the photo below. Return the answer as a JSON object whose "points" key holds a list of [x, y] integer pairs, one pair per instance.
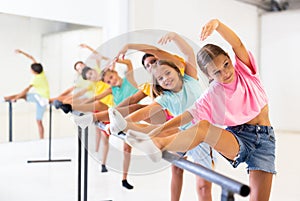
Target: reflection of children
{"points": [[120, 89], [235, 99], [72, 95], [41, 93]]}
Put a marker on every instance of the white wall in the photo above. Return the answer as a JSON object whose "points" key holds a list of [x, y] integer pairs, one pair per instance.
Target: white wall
{"points": [[111, 15], [280, 67], [188, 17]]}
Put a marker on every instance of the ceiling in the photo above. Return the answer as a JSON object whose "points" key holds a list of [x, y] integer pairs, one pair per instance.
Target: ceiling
{"points": [[274, 5]]}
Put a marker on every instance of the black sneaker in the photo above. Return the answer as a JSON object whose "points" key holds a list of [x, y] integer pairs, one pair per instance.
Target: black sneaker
{"points": [[103, 168], [57, 104], [66, 108], [126, 184]]}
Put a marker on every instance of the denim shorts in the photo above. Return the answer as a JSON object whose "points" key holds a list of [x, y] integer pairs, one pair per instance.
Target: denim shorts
{"points": [[202, 154], [40, 102], [257, 147]]}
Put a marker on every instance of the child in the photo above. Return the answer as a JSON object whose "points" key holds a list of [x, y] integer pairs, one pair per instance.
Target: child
{"points": [[175, 93], [41, 94], [120, 89], [71, 94], [149, 60], [236, 99]]}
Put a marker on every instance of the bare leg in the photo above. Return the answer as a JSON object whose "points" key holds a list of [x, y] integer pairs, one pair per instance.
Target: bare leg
{"points": [[202, 132], [260, 184], [40, 128], [105, 149], [176, 183], [98, 139], [203, 189], [15, 97], [103, 115], [95, 106], [126, 162]]}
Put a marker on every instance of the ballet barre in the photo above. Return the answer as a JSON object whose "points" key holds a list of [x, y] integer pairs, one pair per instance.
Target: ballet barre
{"points": [[228, 185]]}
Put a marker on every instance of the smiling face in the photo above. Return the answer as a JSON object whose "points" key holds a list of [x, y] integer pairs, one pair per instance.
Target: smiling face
{"points": [[167, 77], [221, 69], [112, 78]]}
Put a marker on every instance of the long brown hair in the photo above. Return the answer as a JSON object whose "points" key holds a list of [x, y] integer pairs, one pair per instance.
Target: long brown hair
{"points": [[157, 90], [207, 54]]}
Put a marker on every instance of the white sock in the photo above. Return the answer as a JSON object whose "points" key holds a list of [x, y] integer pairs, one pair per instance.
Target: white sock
{"points": [[82, 121], [117, 121], [2, 99], [143, 142]]}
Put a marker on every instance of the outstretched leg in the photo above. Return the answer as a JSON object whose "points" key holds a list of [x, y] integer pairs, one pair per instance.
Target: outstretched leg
{"points": [[126, 163]]}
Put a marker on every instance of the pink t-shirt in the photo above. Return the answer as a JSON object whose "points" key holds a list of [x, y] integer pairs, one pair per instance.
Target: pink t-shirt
{"points": [[235, 103]]}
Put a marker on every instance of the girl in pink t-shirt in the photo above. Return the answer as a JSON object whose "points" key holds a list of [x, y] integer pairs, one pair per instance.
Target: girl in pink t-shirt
{"points": [[235, 99]]}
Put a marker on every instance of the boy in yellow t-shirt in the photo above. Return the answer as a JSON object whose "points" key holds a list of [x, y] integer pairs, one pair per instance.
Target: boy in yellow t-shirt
{"points": [[40, 95]]}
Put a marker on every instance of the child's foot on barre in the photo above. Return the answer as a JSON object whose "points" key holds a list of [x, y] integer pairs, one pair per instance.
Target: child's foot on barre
{"points": [[117, 121], [57, 104], [2, 99], [82, 121], [66, 108], [143, 142]]}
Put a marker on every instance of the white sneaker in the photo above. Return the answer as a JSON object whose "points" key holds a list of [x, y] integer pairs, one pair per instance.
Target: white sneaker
{"points": [[82, 121], [2, 100], [117, 121], [143, 142]]}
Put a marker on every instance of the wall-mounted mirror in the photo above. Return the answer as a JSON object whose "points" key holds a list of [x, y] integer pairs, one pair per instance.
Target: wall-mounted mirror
{"points": [[55, 45]]}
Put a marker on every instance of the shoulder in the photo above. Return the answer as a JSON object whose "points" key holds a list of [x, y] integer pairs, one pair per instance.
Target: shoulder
{"points": [[243, 68]]}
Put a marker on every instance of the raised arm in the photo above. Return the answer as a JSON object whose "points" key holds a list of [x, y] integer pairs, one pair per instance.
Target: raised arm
{"points": [[129, 74], [150, 49], [18, 51], [186, 49], [139, 47], [230, 36], [98, 56]]}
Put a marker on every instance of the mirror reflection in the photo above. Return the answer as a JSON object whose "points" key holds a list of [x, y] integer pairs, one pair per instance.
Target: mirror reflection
{"points": [[56, 45]]}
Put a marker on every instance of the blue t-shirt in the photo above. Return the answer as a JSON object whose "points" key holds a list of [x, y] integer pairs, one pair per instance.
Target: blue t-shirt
{"points": [[178, 102], [123, 92]]}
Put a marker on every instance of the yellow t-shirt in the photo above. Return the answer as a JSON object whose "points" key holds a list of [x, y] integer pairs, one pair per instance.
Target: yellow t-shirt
{"points": [[98, 88], [146, 88], [40, 85]]}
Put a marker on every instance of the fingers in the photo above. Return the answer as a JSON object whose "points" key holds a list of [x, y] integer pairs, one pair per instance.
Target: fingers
{"points": [[17, 51], [208, 29], [167, 38], [164, 40]]}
